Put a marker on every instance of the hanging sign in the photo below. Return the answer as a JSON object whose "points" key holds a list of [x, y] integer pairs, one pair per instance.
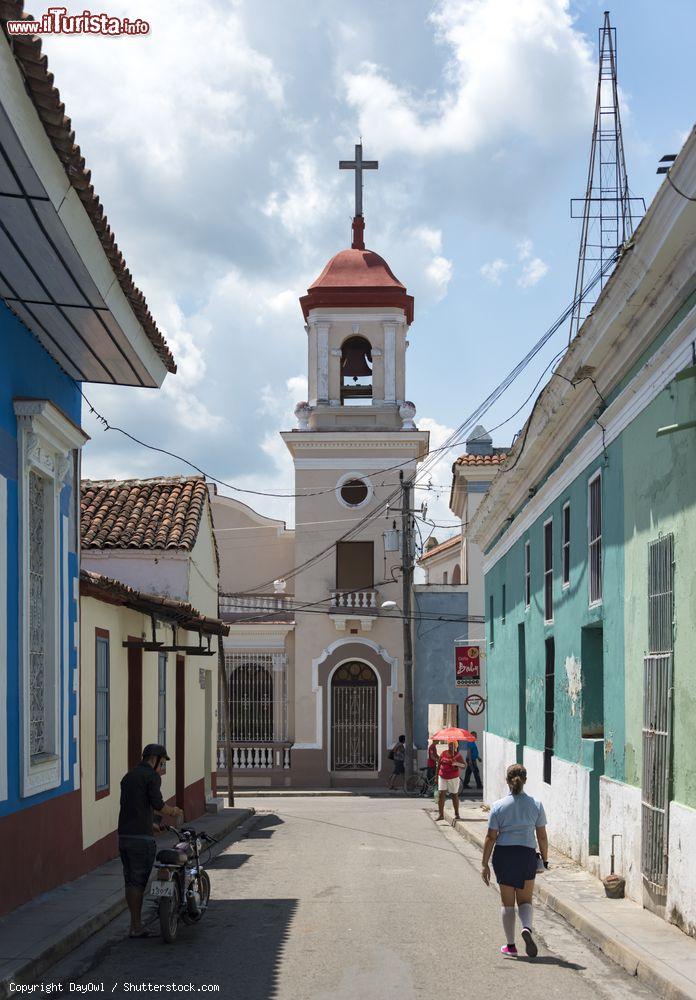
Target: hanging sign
{"points": [[467, 665]]}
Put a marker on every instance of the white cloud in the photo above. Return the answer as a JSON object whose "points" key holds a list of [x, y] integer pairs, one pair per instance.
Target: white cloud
{"points": [[493, 270], [524, 249], [515, 66], [438, 269], [533, 271]]}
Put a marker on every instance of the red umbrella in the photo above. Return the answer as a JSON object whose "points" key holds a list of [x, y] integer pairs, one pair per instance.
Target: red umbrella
{"points": [[451, 733]]}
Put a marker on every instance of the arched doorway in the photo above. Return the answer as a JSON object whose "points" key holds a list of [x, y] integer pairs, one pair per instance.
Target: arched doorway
{"points": [[354, 718]]}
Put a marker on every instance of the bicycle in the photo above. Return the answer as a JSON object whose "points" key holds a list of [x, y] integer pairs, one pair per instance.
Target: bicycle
{"points": [[420, 784]]}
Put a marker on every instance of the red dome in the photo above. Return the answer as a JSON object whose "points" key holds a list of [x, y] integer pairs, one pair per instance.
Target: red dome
{"points": [[357, 278]]}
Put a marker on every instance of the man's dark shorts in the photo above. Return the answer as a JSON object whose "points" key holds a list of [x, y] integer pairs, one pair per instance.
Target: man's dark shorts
{"points": [[138, 857]]}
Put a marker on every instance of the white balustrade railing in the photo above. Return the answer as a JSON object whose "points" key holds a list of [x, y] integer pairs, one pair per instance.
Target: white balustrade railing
{"points": [[354, 600], [242, 603], [261, 757]]}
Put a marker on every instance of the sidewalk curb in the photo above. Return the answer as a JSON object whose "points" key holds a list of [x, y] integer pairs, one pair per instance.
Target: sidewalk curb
{"points": [[665, 982], [28, 969]]}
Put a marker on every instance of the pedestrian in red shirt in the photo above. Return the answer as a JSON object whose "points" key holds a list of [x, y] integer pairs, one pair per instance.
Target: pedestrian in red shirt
{"points": [[451, 762], [433, 758]]}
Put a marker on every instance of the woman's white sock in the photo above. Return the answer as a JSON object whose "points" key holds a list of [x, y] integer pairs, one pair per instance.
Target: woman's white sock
{"points": [[507, 914], [525, 911]]}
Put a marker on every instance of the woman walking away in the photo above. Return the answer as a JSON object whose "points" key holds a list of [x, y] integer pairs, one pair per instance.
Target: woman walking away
{"points": [[515, 825]]}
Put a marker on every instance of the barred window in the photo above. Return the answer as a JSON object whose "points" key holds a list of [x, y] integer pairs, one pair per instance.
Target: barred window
{"points": [[595, 538], [162, 699], [101, 710], [527, 574], [548, 571], [258, 699], [40, 537], [565, 545]]}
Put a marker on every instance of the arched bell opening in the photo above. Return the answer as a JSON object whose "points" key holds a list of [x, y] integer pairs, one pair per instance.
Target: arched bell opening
{"points": [[354, 718], [356, 369]]}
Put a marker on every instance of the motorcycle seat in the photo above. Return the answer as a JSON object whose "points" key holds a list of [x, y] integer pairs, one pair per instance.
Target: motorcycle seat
{"points": [[168, 856]]}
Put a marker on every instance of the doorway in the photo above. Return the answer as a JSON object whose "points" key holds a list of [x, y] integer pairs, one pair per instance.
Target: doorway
{"points": [[550, 707], [180, 739], [135, 704], [354, 718]]}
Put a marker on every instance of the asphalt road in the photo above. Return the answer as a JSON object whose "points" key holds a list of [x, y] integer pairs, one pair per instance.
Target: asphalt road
{"points": [[350, 899]]}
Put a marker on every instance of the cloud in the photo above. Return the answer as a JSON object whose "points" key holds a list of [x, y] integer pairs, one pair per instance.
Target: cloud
{"points": [[438, 269], [514, 67], [493, 270], [532, 272]]}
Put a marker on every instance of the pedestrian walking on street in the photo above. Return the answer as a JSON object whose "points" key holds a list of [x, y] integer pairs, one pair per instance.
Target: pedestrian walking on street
{"points": [[472, 759], [398, 755], [141, 798], [433, 760], [515, 826], [451, 764]]}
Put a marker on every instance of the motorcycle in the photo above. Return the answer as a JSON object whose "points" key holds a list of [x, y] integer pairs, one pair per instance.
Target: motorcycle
{"points": [[180, 884]]}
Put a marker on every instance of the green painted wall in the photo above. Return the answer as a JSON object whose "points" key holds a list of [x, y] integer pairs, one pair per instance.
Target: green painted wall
{"points": [[660, 497], [571, 614]]}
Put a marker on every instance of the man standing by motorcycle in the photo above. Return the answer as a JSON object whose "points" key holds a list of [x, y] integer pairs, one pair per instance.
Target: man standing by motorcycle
{"points": [[141, 797]]}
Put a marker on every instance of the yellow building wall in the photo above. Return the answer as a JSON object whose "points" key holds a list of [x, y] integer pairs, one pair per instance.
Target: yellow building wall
{"points": [[100, 815]]}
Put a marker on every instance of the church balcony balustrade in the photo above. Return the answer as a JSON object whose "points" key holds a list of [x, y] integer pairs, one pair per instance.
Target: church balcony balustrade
{"points": [[258, 756], [352, 605]]}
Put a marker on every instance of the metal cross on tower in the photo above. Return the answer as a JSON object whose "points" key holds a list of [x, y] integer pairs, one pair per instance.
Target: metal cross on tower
{"points": [[358, 165], [609, 213]]}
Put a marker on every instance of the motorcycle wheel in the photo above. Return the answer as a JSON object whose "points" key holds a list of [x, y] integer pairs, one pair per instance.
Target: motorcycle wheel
{"points": [[169, 915], [204, 892]]}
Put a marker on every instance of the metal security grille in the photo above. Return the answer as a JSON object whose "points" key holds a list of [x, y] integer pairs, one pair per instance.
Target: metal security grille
{"points": [[548, 571], [657, 713], [258, 697], [162, 699], [37, 615], [101, 713], [354, 724], [595, 538]]}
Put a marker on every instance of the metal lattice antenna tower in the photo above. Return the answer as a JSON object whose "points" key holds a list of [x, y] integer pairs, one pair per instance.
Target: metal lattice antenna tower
{"points": [[609, 213]]}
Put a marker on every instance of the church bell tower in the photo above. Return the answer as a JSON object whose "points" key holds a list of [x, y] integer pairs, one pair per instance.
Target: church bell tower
{"points": [[355, 439]]}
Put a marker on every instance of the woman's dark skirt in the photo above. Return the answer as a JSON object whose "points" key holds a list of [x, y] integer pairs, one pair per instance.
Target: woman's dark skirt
{"points": [[514, 865]]}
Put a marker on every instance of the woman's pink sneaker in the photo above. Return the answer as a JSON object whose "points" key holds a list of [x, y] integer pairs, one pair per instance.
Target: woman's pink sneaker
{"points": [[509, 951]]}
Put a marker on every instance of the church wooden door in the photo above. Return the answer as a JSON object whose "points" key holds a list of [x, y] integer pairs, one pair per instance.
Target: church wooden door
{"points": [[354, 718]]}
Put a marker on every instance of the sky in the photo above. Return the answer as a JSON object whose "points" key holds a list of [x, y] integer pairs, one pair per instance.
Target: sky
{"points": [[213, 144]]}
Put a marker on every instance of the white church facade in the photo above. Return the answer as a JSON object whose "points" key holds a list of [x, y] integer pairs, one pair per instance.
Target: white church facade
{"points": [[314, 661]]}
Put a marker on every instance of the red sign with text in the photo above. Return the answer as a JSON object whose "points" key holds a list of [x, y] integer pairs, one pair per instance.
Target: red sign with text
{"points": [[467, 665]]}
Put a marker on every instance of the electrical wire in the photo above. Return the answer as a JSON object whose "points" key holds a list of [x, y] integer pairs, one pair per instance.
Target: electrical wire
{"points": [[688, 197]]}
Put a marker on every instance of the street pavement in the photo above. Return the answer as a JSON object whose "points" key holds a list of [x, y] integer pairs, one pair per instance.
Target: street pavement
{"points": [[357, 898]]}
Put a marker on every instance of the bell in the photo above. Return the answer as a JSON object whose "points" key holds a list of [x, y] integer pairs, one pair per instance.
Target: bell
{"points": [[355, 355]]}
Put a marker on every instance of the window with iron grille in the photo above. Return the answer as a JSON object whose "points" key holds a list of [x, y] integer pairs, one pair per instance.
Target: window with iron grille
{"points": [[258, 697], [162, 699], [40, 666], [527, 574], [101, 710], [595, 538], [548, 571], [565, 545]]}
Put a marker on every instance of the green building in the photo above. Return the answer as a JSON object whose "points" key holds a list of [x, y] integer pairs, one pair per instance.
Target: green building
{"points": [[589, 541]]}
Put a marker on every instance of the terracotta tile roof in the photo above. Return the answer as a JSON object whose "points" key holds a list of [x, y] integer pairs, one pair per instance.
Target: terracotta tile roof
{"points": [[182, 614], [58, 127], [163, 513], [495, 459], [436, 550]]}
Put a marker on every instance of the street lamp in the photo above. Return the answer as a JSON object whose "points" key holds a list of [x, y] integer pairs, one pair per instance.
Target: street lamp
{"points": [[390, 606]]}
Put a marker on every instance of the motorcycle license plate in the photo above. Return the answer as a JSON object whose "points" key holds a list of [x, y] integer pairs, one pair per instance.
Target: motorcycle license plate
{"points": [[160, 889]]}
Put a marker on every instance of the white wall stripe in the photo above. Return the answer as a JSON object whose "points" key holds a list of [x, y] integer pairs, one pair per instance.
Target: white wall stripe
{"points": [[3, 638]]}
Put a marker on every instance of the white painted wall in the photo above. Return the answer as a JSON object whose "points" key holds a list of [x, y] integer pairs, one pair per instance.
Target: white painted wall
{"points": [[681, 885], [497, 754], [619, 812], [152, 572], [566, 801]]}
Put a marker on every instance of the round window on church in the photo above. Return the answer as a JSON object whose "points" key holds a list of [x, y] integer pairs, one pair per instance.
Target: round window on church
{"points": [[354, 492]]}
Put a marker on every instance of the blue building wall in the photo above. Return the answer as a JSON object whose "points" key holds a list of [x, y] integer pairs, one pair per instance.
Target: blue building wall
{"points": [[434, 679], [26, 369]]}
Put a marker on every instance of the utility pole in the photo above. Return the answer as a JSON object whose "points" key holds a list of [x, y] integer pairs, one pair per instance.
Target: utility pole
{"points": [[407, 580]]}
